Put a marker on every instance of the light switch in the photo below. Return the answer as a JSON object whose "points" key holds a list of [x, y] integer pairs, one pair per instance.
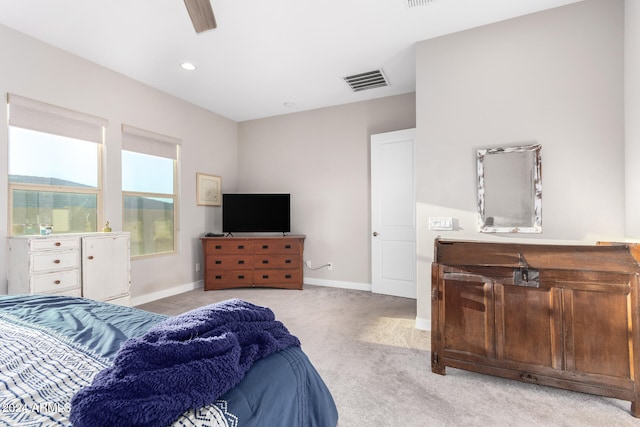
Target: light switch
{"points": [[441, 224]]}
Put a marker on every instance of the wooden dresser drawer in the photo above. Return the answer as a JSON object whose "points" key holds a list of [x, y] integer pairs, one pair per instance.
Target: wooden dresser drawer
{"points": [[216, 262], [277, 277], [55, 282], [285, 261], [228, 278], [53, 261], [51, 243], [277, 246], [229, 246]]}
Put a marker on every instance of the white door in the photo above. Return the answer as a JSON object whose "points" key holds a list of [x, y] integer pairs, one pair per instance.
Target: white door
{"points": [[393, 213], [105, 266]]}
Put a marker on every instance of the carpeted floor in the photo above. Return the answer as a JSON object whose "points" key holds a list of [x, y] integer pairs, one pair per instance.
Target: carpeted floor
{"points": [[377, 365]]}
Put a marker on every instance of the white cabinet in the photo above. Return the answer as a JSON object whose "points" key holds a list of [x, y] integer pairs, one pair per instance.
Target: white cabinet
{"points": [[95, 265]]}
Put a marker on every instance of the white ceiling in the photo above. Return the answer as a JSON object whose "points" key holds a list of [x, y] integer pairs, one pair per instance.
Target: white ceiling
{"points": [[264, 53]]}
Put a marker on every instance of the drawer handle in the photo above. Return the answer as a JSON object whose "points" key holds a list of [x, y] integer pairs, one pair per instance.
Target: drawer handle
{"points": [[265, 246], [265, 276], [287, 261], [57, 282], [287, 276], [241, 261], [58, 244], [57, 261], [218, 277], [218, 246], [265, 261], [240, 246], [90, 257], [241, 276], [287, 246], [218, 261]]}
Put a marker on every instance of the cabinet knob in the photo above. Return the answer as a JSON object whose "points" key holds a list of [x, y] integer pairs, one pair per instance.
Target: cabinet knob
{"points": [[58, 244], [57, 261], [57, 282], [90, 257]]}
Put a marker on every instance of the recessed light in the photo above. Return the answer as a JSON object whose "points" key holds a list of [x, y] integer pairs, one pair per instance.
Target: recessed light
{"points": [[187, 66]]}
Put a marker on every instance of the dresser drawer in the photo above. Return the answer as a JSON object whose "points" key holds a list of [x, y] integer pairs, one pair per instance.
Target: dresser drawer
{"points": [[277, 246], [51, 243], [52, 261], [276, 261], [55, 282], [277, 277], [238, 278], [233, 246], [218, 262]]}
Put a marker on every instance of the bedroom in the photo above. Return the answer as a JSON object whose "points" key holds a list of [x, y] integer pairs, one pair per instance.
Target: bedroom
{"points": [[572, 102]]}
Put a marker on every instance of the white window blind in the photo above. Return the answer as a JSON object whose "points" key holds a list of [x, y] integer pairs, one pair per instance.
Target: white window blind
{"points": [[35, 115], [144, 141]]}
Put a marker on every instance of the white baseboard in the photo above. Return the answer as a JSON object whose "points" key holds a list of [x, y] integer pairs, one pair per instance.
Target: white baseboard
{"points": [[153, 296], [423, 324], [338, 284]]}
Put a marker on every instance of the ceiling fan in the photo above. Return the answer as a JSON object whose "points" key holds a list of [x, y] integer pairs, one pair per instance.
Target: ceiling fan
{"points": [[201, 14]]}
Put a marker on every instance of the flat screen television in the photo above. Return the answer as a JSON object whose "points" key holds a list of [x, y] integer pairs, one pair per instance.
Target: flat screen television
{"points": [[256, 213]]}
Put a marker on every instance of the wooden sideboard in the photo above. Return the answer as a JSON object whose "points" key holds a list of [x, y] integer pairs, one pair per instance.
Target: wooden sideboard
{"points": [[235, 262], [554, 315]]}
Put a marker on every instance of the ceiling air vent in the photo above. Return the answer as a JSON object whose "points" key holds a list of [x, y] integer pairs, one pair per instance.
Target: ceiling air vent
{"points": [[368, 80], [416, 3]]}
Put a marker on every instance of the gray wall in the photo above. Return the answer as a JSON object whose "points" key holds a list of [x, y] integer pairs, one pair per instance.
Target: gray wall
{"points": [[321, 157], [209, 144], [554, 77], [632, 118]]}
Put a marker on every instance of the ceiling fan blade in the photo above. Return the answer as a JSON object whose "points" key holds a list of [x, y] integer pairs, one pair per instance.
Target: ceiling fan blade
{"points": [[201, 14]]}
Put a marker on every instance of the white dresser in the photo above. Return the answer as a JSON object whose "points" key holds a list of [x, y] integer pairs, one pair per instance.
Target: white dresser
{"points": [[92, 265]]}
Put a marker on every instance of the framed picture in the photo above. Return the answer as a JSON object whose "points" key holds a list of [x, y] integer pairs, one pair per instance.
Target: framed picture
{"points": [[208, 190]]}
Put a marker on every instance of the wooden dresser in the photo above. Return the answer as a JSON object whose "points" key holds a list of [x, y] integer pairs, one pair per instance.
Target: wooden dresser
{"points": [[555, 315], [236, 262]]}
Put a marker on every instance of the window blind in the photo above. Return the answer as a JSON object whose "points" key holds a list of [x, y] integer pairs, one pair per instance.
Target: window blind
{"points": [[42, 117], [144, 141]]}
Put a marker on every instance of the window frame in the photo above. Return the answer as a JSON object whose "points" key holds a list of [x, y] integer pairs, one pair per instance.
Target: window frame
{"points": [[56, 116], [135, 132]]}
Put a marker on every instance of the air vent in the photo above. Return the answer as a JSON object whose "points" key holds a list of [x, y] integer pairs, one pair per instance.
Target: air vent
{"points": [[416, 3], [368, 80]]}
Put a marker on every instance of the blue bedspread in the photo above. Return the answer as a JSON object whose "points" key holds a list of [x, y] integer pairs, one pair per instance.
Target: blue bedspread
{"points": [[182, 363], [52, 346]]}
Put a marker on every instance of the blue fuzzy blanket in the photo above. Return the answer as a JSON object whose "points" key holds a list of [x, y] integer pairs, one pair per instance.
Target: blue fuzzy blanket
{"points": [[187, 361]]}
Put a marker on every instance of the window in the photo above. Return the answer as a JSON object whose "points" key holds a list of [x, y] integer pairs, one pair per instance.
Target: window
{"points": [[149, 165], [54, 168]]}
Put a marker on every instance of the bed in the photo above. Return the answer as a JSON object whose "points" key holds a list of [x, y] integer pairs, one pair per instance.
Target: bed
{"points": [[59, 355]]}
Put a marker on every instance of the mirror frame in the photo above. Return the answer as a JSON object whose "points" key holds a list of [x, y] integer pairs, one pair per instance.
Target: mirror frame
{"points": [[536, 169]]}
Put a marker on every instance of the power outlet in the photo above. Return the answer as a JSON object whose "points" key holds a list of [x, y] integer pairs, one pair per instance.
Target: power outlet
{"points": [[197, 267], [329, 266], [308, 263]]}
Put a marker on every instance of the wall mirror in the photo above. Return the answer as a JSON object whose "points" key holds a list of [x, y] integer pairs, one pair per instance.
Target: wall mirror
{"points": [[510, 189]]}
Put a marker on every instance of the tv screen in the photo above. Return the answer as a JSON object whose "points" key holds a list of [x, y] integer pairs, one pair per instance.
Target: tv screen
{"points": [[255, 213]]}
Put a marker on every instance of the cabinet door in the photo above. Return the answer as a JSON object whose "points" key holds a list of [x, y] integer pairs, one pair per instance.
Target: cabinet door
{"points": [[529, 325], [466, 316], [599, 326], [105, 267]]}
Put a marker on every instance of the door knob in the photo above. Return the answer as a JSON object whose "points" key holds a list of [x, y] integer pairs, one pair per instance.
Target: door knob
{"points": [[375, 234]]}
